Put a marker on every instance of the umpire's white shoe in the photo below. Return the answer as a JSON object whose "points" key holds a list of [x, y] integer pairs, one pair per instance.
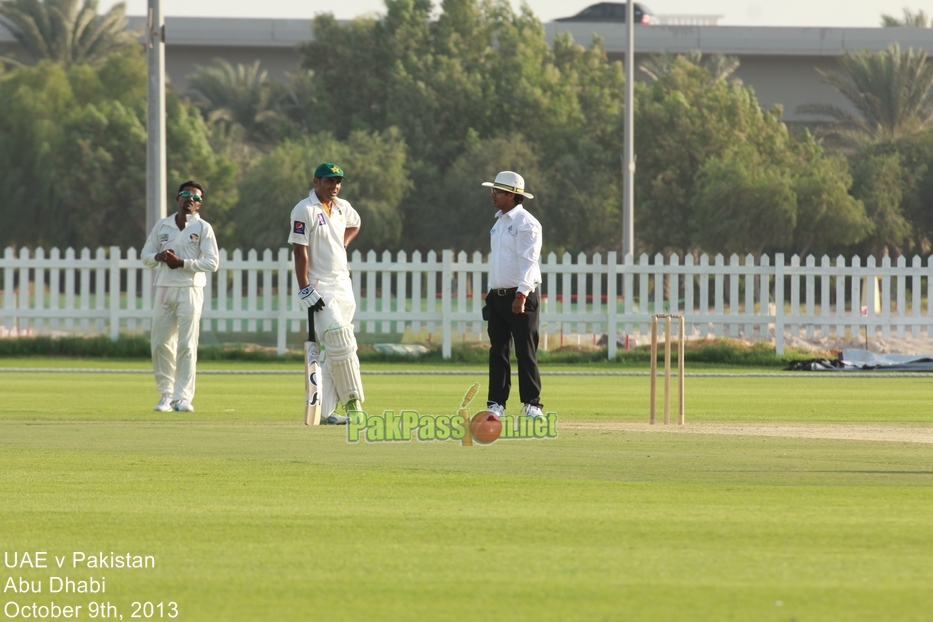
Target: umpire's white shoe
{"points": [[165, 405], [530, 410], [184, 406], [499, 409]]}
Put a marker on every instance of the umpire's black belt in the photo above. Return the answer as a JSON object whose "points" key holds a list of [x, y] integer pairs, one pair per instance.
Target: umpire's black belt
{"points": [[504, 291]]}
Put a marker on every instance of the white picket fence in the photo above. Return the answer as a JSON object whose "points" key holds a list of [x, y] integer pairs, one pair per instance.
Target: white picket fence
{"points": [[71, 292]]}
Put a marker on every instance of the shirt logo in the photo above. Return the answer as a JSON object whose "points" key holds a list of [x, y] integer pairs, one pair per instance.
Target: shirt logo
{"points": [[299, 227], [320, 219], [193, 237], [163, 237]]}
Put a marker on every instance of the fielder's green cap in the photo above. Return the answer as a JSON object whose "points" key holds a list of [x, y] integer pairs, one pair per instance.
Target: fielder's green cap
{"points": [[328, 169]]}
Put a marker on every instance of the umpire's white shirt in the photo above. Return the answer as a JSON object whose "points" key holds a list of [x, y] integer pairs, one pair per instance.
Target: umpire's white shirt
{"points": [[196, 244], [516, 251], [323, 235]]}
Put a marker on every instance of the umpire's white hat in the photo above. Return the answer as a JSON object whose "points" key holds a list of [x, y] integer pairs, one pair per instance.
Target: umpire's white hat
{"points": [[510, 182]]}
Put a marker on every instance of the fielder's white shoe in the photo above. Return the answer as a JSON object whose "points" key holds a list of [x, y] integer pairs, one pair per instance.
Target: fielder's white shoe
{"points": [[184, 406], [530, 410], [499, 409], [165, 405]]}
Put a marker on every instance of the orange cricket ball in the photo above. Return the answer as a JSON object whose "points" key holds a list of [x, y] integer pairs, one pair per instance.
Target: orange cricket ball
{"points": [[485, 426]]}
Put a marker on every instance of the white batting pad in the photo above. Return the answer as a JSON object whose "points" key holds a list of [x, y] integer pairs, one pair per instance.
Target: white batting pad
{"points": [[340, 344]]}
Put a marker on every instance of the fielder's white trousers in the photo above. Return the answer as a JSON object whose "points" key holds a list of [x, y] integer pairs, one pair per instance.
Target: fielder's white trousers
{"points": [[176, 320], [339, 308]]}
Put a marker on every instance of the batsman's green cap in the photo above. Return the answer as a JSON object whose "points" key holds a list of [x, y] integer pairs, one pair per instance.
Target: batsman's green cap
{"points": [[329, 169]]}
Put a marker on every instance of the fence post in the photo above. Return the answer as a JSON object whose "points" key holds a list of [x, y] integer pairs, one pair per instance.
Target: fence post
{"points": [[114, 293], [281, 325], [9, 297], [446, 270], [612, 302], [24, 291], [779, 304]]}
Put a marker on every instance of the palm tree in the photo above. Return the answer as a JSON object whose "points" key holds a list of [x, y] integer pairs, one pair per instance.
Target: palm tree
{"points": [[889, 90], [299, 97], [241, 95], [60, 31], [914, 20], [720, 66]]}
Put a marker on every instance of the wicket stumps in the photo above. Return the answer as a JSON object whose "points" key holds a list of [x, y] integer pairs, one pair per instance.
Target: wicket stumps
{"points": [[681, 342]]}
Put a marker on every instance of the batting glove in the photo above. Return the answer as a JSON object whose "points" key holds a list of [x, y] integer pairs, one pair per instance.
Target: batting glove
{"points": [[310, 299]]}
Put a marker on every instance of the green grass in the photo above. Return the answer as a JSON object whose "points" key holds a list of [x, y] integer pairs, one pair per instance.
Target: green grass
{"points": [[253, 516]]}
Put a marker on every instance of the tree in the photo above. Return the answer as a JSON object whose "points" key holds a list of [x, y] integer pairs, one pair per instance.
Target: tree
{"points": [[748, 202], [684, 119], [744, 203], [895, 181], [465, 214], [719, 66], [59, 31], [719, 174], [376, 184], [478, 72], [32, 100], [242, 95], [72, 154], [299, 100], [881, 185], [914, 20], [100, 161], [889, 90], [829, 218]]}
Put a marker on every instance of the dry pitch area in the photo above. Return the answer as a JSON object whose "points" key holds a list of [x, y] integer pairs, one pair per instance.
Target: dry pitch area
{"points": [[849, 432]]}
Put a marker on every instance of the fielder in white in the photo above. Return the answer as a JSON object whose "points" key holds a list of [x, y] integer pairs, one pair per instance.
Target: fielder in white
{"points": [[182, 248], [322, 226]]}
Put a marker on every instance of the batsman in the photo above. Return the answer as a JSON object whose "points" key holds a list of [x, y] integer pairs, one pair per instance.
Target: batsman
{"points": [[322, 226]]}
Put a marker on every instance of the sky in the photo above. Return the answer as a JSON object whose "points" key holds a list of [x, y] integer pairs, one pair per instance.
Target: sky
{"points": [[840, 13]]}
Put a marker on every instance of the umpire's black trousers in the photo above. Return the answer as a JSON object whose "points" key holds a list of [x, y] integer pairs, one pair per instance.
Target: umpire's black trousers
{"points": [[505, 327]]}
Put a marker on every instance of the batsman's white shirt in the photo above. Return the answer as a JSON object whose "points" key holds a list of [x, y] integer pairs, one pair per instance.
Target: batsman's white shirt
{"points": [[323, 235], [179, 298], [516, 251]]}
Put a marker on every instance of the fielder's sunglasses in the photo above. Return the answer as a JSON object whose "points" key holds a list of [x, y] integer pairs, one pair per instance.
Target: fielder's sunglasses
{"points": [[190, 195]]}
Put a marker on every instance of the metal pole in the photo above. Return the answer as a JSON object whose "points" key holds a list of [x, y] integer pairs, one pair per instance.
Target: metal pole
{"points": [[156, 200], [628, 156]]}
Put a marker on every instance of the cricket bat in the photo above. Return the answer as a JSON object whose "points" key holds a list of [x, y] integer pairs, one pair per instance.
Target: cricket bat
{"points": [[312, 377], [467, 435]]}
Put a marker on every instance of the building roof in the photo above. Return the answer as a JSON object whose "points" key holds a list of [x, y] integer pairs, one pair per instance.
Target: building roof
{"points": [[747, 40], [739, 40], [231, 31], [221, 31]]}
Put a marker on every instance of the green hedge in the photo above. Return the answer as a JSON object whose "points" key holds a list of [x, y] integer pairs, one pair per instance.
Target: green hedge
{"points": [[712, 351]]}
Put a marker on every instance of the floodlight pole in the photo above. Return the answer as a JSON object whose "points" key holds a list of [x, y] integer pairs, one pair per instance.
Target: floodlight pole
{"points": [[628, 156], [156, 200]]}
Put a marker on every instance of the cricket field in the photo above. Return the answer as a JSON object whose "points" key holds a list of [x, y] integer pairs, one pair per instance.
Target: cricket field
{"points": [[785, 497]]}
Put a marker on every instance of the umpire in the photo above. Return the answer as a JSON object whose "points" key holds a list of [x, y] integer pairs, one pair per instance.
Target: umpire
{"points": [[512, 304]]}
